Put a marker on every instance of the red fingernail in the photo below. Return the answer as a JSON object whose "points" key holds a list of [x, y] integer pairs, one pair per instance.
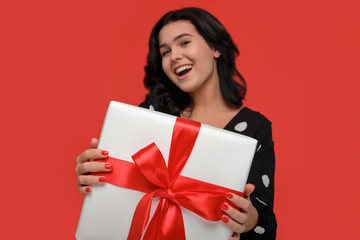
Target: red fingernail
{"points": [[102, 179], [105, 153], [229, 195], [253, 185], [224, 206], [225, 219], [88, 189], [108, 166]]}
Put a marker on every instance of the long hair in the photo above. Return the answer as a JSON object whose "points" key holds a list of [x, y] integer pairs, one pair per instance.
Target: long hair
{"points": [[165, 96]]}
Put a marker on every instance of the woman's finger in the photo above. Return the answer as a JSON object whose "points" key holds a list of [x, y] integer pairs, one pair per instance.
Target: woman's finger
{"points": [[89, 154], [85, 189], [90, 167], [89, 180], [94, 143], [241, 202], [234, 214], [233, 225], [249, 189]]}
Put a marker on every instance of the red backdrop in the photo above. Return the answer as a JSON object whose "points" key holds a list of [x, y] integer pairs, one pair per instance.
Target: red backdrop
{"points": [[61, 62]]}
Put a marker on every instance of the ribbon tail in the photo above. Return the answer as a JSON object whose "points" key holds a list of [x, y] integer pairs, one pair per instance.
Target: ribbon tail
{"points": [[173, 223], [141, 217], [152, 230], [167, 223]]}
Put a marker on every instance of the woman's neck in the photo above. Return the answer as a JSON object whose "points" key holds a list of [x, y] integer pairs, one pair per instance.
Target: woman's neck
{"points": [[208, 96], [210, 107]]}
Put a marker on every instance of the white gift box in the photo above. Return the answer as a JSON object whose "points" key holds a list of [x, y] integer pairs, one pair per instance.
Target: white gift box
{"points": [[219, 157]]}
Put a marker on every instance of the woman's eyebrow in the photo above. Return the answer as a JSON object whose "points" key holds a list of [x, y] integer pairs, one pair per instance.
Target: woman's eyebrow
{"points": [[176, 38]]}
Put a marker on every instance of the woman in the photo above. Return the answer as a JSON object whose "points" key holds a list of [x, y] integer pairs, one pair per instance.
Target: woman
{"points": [[191, 73]]}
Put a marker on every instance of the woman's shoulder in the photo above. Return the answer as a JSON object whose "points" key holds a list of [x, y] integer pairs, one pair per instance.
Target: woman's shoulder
{"points": [[250, 116], [249, 122], [254, 116]]}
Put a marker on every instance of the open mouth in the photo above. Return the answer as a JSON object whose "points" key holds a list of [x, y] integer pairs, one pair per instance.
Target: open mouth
{"points": [[183, 70]]}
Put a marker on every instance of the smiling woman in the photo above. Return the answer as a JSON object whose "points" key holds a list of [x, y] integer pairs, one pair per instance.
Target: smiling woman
{"points": [[202, 27], [191, 73]]}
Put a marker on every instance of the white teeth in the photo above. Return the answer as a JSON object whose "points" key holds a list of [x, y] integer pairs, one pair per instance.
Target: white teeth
{"points": [[180, 69]]}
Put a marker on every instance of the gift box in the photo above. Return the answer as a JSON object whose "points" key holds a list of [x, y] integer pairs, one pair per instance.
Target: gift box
{"points": [[205, 163]]}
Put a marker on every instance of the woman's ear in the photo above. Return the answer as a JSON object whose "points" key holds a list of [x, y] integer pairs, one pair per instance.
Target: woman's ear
{"points": [[217, 53]]}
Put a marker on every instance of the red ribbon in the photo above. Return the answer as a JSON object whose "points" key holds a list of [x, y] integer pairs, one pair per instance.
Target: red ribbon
{"points": [[150, 175]]}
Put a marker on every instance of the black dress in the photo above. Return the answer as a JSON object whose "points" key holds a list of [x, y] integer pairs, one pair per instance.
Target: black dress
{"points": [[255, 125]]}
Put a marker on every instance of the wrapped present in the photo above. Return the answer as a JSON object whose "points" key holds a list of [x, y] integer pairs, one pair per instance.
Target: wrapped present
{"points": [[169, 177]]}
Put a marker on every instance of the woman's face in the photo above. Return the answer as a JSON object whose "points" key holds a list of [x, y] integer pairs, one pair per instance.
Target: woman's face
{"points": [[187, 59]]}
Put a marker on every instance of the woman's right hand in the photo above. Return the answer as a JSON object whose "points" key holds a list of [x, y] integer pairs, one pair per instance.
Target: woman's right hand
{"points": [[85, 165]]}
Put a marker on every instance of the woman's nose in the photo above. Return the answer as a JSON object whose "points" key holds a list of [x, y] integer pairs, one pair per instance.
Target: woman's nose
{"points": [[176, 54]]}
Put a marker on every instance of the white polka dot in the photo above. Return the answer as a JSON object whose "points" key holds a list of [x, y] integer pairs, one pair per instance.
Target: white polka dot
{"points": [[151, 107], [259, 230], [258, 147], [240, 127], [266, 180]]}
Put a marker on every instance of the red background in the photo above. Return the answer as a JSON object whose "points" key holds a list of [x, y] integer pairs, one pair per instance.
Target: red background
{"points": [[61, 62]]}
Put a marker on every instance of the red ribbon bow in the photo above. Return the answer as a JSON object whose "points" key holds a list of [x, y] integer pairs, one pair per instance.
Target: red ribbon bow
{"points": [[149, 174]]}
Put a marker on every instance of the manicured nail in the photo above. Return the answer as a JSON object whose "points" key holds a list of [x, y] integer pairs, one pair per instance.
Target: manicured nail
{"points": [[88, 189], [224, 206], [108, 166], [225, 219], [253, 185], [102, 179], [105, 153], [229, 195]]}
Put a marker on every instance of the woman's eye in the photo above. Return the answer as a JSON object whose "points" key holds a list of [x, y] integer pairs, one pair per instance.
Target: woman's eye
{"points": [[185, 43], [165, 52]]}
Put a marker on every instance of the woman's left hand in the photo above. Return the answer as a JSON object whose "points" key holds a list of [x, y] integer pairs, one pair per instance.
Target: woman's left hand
{"points": [[245, 218]]}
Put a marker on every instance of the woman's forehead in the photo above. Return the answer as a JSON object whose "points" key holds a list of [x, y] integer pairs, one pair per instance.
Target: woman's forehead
{"points": [[172, 30]]}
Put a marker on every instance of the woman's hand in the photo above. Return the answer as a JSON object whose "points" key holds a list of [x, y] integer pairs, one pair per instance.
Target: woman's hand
{"points": [[85, 165], [245, 218]]}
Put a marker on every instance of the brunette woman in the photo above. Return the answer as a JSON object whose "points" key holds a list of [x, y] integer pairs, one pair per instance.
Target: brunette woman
{"points": [[191, 73]]}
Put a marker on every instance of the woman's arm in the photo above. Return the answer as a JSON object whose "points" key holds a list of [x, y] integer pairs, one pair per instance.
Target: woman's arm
{"points": [[262, 176]]}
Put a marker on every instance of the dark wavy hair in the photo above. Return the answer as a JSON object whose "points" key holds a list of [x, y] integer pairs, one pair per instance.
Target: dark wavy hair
{"points": [[165, 96]]}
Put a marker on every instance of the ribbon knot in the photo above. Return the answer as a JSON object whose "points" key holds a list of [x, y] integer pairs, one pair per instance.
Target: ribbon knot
{"points": [[169, 195]]}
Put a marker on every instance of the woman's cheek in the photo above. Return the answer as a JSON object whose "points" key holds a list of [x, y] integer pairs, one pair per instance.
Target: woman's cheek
{"points": [[165, 68]]}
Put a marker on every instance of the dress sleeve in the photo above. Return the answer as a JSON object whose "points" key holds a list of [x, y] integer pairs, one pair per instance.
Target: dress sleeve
{"points": [[262, 176]]}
